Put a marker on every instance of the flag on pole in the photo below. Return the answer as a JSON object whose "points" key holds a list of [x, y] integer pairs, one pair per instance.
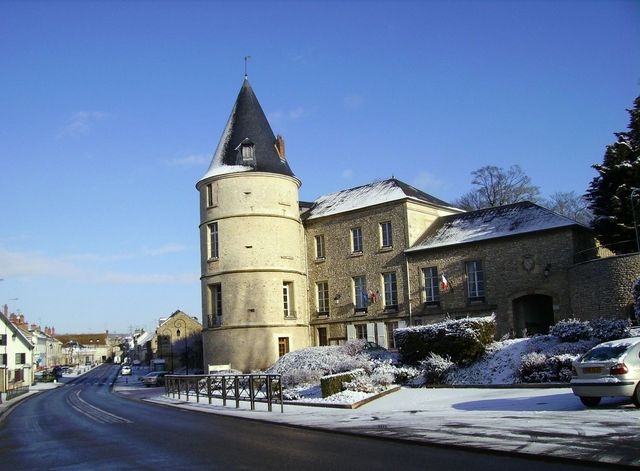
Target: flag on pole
{"points": [[444, 284]]}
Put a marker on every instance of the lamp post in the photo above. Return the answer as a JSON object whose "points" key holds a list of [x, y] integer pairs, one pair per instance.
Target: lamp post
{"points": [[633, 211], [167, 333], [177, 324]]}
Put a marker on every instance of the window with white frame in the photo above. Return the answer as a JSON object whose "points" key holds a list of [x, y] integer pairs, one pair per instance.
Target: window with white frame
{"points": [[319, 246], [356, 240], [287, 298], [431, 286], [390, 284], [386, 235], [361, 331], [214, 249], [475, 281], [360, 296], [247, 151], [322, 297]]}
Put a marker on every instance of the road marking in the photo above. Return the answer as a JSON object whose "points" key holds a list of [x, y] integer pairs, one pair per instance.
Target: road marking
{"points": [[93, 412]]}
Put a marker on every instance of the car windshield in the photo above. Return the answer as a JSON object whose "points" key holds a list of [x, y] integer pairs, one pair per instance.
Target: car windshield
{"points": [[606, 352]]}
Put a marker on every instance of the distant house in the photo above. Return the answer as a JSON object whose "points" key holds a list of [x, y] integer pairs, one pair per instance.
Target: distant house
{"points": [[178, 340], [47, 350], [88, 349], [16, 357]]}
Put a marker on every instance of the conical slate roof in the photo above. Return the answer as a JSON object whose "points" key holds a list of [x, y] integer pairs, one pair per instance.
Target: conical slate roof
{"points": [[248, 127]]}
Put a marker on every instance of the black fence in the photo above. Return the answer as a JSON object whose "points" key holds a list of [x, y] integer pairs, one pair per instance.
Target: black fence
{"points": [[15, 392], [252, 388]]}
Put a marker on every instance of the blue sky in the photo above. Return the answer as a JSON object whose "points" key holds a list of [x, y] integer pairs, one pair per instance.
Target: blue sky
{"points": [[111, 111]]}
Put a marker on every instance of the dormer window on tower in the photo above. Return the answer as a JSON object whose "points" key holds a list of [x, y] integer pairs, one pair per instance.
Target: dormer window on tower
{"points": [[247, 152]]}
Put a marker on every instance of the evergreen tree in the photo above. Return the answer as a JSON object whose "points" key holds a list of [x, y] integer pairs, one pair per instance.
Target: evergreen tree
{"points": [[611, 193]]}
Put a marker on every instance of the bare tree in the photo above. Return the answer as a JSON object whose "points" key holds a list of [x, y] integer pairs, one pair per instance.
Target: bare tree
{"points": [[497, 187], [570, 205]]}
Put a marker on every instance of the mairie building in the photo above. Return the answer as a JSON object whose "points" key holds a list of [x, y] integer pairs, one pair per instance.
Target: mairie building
{"points": [[279, 274]]}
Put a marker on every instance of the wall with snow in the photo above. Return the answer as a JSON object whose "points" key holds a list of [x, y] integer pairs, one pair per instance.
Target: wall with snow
{"points": [[513, 267], [603, 287]]}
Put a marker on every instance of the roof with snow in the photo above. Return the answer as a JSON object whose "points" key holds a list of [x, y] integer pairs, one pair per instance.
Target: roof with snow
{"points": [[491, 223], [248, 127], [375, 193]]}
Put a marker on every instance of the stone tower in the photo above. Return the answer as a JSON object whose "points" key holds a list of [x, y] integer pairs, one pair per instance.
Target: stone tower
{"points": [[254, 286]]}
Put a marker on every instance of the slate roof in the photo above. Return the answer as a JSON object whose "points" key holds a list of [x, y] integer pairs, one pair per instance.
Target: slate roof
{"points": [[491, 223], [372, 194], [247, 122]]}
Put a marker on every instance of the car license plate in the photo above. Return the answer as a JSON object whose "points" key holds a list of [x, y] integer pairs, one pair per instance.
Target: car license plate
{"points": [[591, 370]]}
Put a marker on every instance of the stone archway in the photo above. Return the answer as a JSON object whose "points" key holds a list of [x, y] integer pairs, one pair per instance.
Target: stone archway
{"points": [[533, 312]]}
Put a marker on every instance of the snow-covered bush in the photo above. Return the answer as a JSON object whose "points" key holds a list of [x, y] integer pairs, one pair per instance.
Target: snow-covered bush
{"points": [[314, 362], [435, 368], [571, 330], [610, 329], [462, 340], [298, 376], [541, 368], [335, 383], [354, 347], [386, 372], [361, 382]]}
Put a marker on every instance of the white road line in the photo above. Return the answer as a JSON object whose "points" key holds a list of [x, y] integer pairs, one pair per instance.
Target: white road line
{"points": [[93, 412]]}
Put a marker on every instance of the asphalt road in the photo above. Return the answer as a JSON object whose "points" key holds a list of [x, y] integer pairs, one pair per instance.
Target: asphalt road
{"points": [[83, 425]]}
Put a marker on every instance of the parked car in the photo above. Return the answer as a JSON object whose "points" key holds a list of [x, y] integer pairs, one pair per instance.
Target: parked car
{"points": [[155, 378], [608, 369], [126, 370]]}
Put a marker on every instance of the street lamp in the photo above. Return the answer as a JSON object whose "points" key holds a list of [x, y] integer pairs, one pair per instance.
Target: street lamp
{"points": [[635, 225], [177, 323], [164, 333]]}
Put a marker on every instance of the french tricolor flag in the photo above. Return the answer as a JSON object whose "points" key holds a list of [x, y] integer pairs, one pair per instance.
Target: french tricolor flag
{"points": [[444, 283]]}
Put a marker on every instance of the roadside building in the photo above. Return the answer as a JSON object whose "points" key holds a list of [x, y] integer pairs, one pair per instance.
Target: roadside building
{"points": [[178, 340], [16, 357], [88, 348], [278, 274]]}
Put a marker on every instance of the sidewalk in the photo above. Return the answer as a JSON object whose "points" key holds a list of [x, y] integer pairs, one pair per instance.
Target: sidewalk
{"points": [[529, 421]]}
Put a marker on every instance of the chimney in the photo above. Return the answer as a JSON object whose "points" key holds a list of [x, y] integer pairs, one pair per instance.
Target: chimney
{"points": [[279, 144]]}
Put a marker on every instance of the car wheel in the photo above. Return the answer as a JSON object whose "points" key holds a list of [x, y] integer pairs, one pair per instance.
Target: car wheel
{"points": [[636, 396], [590, 401]]}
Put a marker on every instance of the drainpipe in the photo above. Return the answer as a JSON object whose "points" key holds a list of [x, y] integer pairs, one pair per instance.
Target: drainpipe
{"points": [[408, 296]]}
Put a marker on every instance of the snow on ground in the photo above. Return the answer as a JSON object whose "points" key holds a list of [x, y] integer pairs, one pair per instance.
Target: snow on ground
{"points": [[499, 365]]}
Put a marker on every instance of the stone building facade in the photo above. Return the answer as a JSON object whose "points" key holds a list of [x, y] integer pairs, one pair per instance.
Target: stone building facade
{"points": [[278, 274], [601, 287]]}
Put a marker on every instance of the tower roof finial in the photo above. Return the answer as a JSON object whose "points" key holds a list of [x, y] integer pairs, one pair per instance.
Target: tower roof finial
{"points": [[246, 61]]}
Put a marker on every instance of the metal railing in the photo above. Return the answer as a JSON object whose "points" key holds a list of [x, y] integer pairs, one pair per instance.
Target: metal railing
{"points": [[15, 392], [250, 388]]}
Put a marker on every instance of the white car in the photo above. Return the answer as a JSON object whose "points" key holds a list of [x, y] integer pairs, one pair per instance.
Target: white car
{"points": [[608, 369], [126, 370]]}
